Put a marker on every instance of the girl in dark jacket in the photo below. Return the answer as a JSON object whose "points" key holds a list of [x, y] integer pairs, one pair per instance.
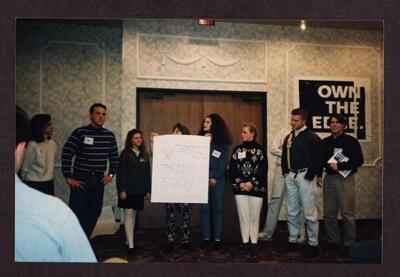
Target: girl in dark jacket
{"points": [[215, 127], [133, 181]]}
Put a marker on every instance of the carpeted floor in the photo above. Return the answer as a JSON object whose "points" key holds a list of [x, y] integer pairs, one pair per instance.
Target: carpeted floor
{"points": [[150, 243]]}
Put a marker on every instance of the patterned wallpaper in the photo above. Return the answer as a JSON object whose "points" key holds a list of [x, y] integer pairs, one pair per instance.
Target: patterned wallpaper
{"points": [[278, 54], [62, 70], [322, 60], [110, 62]]}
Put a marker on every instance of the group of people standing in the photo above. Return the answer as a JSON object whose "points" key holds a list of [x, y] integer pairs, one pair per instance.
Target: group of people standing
{"points": [[302, 157]]}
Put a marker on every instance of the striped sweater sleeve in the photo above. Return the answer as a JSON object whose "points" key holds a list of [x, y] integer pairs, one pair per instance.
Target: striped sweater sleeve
{"points": [[69, 151], [114, 158]]}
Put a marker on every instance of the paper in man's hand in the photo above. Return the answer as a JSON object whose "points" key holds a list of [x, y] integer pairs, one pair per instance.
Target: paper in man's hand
{"points": [[339, 157]]}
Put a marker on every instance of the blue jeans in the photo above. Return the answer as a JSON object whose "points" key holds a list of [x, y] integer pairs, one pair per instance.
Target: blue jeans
{"points": [[87, 202], [274, 206], [215, 199], [302, 193]]}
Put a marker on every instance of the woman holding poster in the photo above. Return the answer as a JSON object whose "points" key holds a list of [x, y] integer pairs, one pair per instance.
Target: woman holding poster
{"points": [[133, 181], [248, 168], [215, 127], [184, 209]]}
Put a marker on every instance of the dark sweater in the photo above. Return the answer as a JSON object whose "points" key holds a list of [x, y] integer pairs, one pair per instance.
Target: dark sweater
{"points": [[92, 148], [304, 152], [251, 168], [350, 148], [133, 174]]}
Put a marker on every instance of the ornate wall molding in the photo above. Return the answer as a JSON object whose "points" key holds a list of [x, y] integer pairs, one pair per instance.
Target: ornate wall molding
{"points": [[199, 58], [199, 53]]}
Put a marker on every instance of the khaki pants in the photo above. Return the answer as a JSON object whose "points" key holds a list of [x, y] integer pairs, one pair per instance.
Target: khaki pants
{"points": [[339, 195]]}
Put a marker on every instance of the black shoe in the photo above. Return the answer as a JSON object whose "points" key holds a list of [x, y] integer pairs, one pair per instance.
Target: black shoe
{"points": [[243, 246], [253, 249], [310, 251], [169, 247], [344, 250], [205, 244], [130, 251], [187, 246], [217, 244], [290, 247], [330, 246]]}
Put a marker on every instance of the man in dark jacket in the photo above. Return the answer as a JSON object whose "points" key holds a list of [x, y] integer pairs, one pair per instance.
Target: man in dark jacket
{"points": [[301, 164], [339, 182]]}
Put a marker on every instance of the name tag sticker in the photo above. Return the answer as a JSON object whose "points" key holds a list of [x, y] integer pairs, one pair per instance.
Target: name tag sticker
{"points": [[216, 154], [242, 155], [88, 140], [335, 150], [40, 152]]}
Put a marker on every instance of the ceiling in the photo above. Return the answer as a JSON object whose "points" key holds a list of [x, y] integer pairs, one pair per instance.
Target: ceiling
{"points": [[337, 24]]}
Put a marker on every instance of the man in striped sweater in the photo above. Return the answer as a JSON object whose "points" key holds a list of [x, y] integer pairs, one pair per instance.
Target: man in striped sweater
{"points": [[93, 147]]}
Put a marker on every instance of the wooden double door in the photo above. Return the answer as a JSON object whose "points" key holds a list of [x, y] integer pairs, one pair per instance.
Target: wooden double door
{"points": [[160, 109]]}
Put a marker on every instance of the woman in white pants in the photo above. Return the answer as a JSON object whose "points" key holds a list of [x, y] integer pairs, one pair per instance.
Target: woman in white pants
{"points": [[133, 181], [248, 168]]}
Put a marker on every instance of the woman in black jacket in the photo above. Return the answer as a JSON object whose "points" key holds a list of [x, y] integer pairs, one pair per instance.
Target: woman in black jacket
{"points": [[133, 181], [248, 169]]}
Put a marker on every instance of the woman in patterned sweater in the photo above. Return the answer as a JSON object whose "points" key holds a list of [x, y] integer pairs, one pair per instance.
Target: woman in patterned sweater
{"points": [[248, 169]]}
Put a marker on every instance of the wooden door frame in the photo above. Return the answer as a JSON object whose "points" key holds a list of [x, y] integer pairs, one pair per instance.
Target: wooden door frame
{"points": [[160, 92], [259, 96]]}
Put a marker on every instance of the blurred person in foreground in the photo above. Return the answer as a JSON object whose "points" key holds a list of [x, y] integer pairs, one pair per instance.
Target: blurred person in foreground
{"points": [[46, 230]]}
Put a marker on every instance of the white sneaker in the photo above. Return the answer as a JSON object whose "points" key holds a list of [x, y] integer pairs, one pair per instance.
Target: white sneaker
{"points": [[264, 236], [302, 239]]}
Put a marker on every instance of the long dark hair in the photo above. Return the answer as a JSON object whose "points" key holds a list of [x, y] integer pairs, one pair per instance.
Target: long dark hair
{"points": [[219, 131], [128, 143], [38, 125], [182, 128], [22, 126]]}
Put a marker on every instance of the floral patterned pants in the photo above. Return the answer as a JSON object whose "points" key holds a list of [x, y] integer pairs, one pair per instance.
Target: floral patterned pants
{"points": [[185, 210]]}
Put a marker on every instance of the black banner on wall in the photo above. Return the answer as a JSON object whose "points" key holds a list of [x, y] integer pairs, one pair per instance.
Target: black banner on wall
{"points": [[321, 98]]}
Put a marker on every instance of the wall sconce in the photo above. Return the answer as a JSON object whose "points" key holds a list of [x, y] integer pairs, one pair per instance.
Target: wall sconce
{"points": [[303, 25], [207, 22]]}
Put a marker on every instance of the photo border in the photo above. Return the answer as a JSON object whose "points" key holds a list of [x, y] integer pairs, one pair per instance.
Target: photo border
{"points": [[284, 9]]}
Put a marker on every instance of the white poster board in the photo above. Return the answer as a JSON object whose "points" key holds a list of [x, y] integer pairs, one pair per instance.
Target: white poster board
{"points": [[180, 169]]}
